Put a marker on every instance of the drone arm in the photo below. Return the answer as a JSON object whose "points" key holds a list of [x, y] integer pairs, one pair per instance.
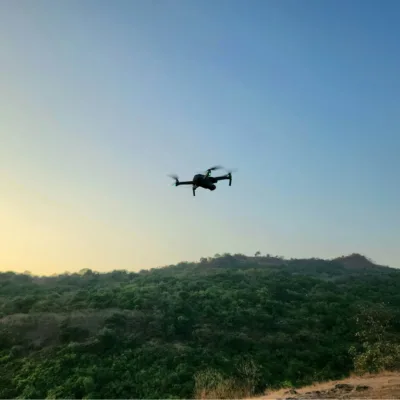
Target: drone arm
{"points": [[224, 177], [221, 178], [185, 183]]}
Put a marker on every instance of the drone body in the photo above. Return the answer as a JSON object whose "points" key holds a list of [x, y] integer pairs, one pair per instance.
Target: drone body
{"points": [[205, 181]]}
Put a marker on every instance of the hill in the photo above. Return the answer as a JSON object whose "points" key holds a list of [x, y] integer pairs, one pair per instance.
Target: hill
{"points": [[357, 261], [232, 321]]}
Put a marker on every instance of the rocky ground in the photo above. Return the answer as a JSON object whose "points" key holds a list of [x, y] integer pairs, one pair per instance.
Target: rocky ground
{"points": [[380, 386]]}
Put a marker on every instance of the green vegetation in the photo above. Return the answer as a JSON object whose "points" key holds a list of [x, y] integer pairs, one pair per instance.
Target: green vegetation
{"points": [[227, 326]]}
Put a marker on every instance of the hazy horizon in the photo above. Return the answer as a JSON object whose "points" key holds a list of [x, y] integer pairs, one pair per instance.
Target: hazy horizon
{"points": [[100, 100], [49, 274]]}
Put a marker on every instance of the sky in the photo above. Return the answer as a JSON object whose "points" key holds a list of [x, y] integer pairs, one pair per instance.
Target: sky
{"points": [[100, 100]]}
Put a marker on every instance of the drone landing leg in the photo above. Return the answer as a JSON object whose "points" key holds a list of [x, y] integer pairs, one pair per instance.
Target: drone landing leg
{"points": [[194, 190]]}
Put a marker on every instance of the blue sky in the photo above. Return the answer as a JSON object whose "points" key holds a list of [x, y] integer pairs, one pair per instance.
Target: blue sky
{"points": [[101, 100]]}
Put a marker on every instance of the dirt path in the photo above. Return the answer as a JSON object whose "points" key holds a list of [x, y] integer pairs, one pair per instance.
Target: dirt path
{"points": [[380, 386]]}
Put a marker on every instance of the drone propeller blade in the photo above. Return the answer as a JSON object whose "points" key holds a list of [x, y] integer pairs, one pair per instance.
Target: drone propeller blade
{"points": [[229, 174], [208, 171], [215, 168], [175, 177]]}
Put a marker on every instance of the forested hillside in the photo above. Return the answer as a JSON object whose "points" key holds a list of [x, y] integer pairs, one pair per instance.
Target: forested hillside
{"points": [[262, 321]]}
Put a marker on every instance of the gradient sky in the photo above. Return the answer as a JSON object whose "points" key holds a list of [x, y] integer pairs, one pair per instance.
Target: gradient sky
{"points": [[100, 100]]}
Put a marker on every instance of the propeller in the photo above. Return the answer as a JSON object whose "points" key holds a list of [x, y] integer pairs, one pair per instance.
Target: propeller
{"points": [[229, 174], [175, 177], [214, 168], [208, 171]]}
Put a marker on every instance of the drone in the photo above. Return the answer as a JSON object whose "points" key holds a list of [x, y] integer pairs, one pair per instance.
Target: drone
{"points": [[205, 181]]}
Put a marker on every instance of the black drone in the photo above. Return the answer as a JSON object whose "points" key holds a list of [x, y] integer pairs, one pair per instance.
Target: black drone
{"points": [[205, 181]]}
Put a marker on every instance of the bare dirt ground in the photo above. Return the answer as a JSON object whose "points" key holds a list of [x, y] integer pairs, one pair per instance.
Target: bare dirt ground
{"points": [[381, 386]]}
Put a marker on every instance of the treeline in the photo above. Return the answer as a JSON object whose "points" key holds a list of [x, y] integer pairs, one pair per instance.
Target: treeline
{"points": [[246, 323]]}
